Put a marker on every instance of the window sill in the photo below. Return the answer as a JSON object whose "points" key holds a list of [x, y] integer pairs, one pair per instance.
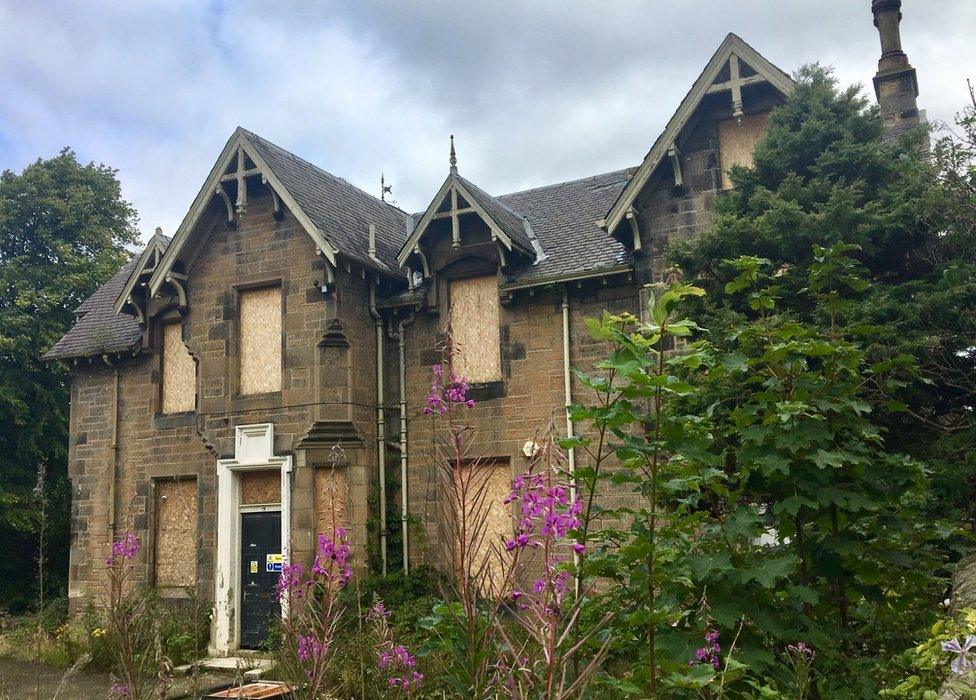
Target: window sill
{"points": [[165, 421], [486, 391], [271, 399]]}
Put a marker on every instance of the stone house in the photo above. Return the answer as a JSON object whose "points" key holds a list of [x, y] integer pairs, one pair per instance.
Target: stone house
{"points": [[290, 312]]}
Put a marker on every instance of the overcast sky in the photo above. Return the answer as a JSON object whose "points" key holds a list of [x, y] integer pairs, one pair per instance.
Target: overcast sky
{"points": [[535, 92]]}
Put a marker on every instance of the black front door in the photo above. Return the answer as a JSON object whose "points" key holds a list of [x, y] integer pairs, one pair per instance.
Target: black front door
{"points": [[260, 570]]}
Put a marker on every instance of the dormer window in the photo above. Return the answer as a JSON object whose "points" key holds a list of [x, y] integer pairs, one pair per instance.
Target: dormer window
{"points": [[475, 314]]}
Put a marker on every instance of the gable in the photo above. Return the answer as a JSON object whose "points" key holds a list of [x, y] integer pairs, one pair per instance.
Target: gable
{"points": [[733, 68], [336, 215], [458, 199]]}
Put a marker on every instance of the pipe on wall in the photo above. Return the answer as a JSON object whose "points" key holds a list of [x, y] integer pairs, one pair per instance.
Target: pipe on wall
{"points": [[380, 418], [568, 390], [568, 393], [401, 336], [112, 515]]}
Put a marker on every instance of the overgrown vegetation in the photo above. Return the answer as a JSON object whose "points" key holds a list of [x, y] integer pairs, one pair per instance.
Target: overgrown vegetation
{"points": [[788, 440]]}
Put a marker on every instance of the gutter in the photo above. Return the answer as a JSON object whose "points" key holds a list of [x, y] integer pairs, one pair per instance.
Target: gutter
{"points": [[571, 277], [401, 330]]}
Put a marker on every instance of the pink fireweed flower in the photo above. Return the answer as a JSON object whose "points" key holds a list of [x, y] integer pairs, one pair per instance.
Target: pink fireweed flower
{"points": [[121, 690], [331, 558], [311, 649], [442, 396], [124, 549], [292, 582], [377, 611], [709, 654]]}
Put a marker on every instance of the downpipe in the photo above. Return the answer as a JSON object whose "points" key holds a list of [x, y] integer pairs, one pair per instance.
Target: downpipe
{"points": [[404, 500], [380, 418]]}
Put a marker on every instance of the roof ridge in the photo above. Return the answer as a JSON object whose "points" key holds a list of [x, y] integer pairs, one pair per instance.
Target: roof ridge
{"points": [[299, 159], [568, 182], [494, 197]]}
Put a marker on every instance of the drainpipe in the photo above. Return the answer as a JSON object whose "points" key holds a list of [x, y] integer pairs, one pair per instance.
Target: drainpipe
{"points": [[568, 391], [401, 330], [380, 418], [114, 364], [567, 388]]}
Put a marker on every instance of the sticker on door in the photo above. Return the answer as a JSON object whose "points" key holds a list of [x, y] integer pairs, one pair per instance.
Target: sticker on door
{"points": [[272, 563]]}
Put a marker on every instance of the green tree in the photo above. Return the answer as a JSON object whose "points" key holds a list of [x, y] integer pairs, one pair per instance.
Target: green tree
{"points": [[818, 533], [63, 231], [823, 175]]}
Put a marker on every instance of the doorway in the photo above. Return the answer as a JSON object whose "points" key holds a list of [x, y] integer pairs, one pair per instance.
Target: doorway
{"points": [[261, 563]]}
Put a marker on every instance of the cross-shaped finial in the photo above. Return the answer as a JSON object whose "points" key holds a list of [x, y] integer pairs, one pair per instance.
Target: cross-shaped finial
{"points": [[453, 156]]}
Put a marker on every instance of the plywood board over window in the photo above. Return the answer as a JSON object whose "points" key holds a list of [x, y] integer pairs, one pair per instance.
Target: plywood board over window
{"points": [[176, 533], [179, 371], [738, 141], [331, 490], [260, 340], [484, 488], [475, 313]]}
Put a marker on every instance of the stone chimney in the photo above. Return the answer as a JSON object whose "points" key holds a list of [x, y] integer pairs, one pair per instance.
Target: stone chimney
{"points": [[895, 83]]}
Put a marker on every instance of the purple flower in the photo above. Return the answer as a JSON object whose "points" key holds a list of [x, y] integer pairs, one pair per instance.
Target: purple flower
{"points": [[311, 649], [124, 549], [121, 689], [963, 663], [579, 549], [709, 654]]}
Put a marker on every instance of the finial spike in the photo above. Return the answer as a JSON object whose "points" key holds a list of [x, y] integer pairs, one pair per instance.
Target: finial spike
{"points": [[385, 189], [453, 156]]}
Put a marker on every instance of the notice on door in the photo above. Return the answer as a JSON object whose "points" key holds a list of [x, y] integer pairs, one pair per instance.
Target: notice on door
{"points": [[254, 566], [272, 563]]}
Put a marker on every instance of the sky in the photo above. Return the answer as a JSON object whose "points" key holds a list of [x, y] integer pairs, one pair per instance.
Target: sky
{"points": [[535, 92]]}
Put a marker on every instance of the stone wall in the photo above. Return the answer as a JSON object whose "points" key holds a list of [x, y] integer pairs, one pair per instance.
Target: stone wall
{"points": [[517, 409], [154, 446]]}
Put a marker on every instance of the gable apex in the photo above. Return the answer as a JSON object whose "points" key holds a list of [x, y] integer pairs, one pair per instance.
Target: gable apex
{"points": [[458, 196], [731, 56]]}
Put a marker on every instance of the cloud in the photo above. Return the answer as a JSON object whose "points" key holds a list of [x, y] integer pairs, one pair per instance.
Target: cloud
{"points": [[535, 92]]}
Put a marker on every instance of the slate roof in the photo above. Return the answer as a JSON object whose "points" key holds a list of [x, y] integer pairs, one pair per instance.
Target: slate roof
{"points": [[100, 330], [342, 210], [509, 221], [563, 217]]}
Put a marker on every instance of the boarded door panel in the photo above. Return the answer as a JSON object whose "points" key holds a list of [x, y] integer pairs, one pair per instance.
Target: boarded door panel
{"points": [[179, 372], [495, 479], [475, 329], [260, 340], [738, 141], [331, 490], [176, 533]]}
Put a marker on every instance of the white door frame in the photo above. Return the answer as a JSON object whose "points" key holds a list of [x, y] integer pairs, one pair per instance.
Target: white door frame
{"points": [[253, 451]]}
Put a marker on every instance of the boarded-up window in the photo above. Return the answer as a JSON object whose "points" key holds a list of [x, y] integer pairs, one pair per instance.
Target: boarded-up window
{"points": [[262, 486], [176, 533], [179, 371], [331, 489], [260, 340], [494, 481], [474, 329], [738, 141]]}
